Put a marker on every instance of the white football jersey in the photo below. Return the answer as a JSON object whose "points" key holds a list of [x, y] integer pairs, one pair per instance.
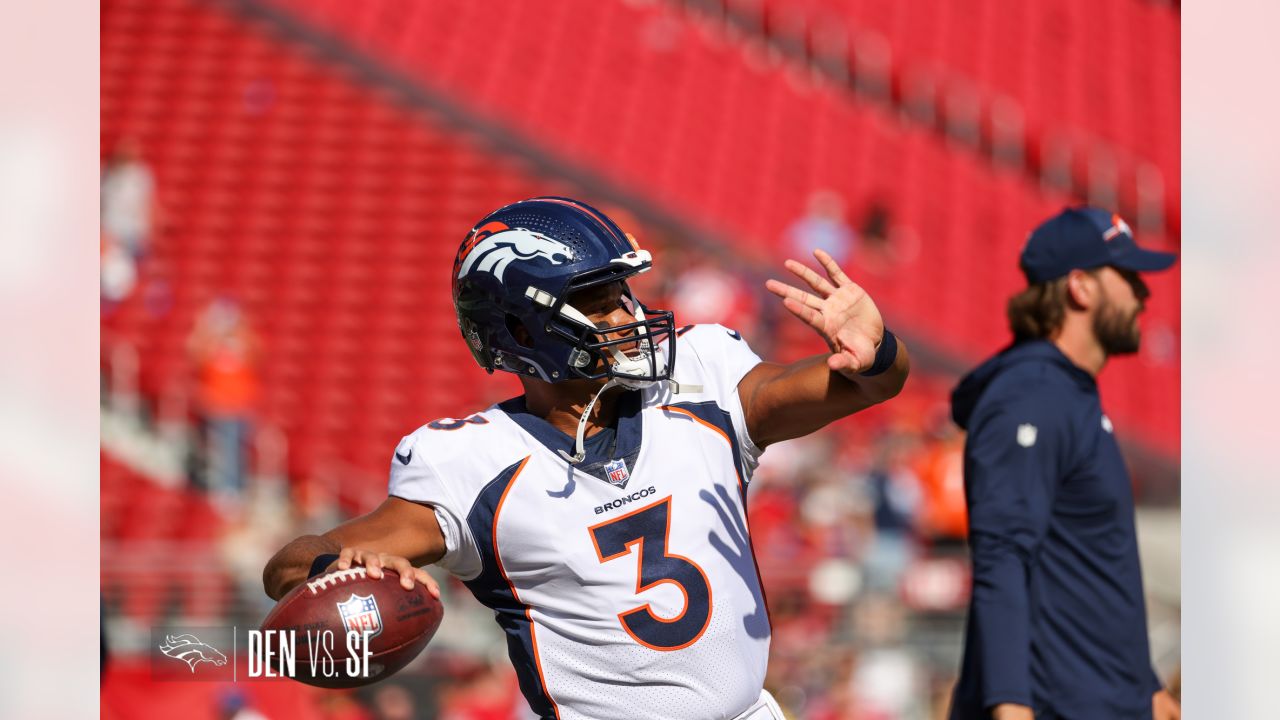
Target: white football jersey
{"points": [[626, 586]]}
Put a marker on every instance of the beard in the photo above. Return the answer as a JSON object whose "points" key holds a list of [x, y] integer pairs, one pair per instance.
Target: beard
{"points": [[1117, 331]]}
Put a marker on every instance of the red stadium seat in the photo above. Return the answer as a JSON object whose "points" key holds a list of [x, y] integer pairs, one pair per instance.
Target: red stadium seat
{"points": [[672, 106], [160, 544], [328, 210]]}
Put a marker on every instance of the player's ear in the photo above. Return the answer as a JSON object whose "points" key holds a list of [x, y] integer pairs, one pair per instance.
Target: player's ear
{"points": [[518, 331], [1082, 289]]}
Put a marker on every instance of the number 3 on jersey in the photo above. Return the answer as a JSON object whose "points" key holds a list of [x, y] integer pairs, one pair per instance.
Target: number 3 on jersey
{"points": [[650, 527]]}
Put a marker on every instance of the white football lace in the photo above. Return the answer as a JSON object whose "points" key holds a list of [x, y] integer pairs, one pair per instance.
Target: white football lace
{"points": [[334, 578]]}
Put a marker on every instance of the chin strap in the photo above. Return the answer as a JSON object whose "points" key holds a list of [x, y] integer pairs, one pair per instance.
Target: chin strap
{"points": [[677, 388], [580, 451]]}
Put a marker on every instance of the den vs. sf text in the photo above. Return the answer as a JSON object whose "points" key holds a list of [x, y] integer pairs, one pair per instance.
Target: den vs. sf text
{"points": [[274, 653]]}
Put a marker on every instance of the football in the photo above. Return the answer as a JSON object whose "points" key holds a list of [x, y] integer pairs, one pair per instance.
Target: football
{"points": [[317, 616]]}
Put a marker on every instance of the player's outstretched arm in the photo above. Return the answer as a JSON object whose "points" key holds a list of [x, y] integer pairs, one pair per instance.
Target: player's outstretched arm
{"points": [[399, 535], [782, 402]]}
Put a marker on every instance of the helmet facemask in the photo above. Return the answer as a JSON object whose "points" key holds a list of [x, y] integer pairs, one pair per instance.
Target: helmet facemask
{"points": [[632, 353]]}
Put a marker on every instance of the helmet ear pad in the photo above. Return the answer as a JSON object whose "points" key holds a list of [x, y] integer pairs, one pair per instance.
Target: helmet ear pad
{"points": [[489, 329], [519, 333]]}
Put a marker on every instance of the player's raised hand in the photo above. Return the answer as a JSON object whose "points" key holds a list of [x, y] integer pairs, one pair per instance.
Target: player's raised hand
{"points": [[838, 309], [376, 562]]}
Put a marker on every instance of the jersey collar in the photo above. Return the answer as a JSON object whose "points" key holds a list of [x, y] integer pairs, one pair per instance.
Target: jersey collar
{"points": [[629, 429]]}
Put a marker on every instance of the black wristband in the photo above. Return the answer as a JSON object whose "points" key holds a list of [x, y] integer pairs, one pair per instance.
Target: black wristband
{"points": [[320, 563], [886, 354]]}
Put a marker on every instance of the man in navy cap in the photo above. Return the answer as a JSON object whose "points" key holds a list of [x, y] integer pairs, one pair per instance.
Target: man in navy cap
{"points": [[1057, 623]]}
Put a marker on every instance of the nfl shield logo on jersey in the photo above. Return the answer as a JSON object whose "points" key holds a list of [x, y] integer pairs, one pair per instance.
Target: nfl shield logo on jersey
{"points": [[360, 613], [615, 471]]}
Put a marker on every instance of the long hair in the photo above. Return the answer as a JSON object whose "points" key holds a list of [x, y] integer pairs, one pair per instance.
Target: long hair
{"points": [[1038, 311]]}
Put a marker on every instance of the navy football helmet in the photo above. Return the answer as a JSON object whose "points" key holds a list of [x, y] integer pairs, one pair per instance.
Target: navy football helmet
{"points": [[517, 269]]}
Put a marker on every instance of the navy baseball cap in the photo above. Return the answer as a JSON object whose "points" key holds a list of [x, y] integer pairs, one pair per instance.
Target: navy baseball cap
{"points": [[1083, 238]]}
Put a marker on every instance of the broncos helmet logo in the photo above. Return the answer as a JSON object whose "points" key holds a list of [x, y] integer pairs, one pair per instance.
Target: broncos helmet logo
{"points": [[190, 650], [493, 253]]}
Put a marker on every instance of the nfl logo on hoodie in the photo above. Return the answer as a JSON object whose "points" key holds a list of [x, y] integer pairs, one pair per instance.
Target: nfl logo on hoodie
{"points": [[615, 471]]}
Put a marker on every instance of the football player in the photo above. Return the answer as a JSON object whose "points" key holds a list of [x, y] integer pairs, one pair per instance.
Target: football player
{"points": [[602, 514]]}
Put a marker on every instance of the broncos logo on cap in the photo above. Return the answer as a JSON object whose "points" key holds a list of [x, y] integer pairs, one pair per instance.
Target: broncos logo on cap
{"points": [[190, 650], [493, 253], [1118, 227]]}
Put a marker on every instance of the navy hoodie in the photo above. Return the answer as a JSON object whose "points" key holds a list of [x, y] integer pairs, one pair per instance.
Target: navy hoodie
{"points": [[1057, 620]]}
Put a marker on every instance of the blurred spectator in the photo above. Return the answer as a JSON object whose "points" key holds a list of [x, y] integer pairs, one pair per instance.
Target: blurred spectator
{"points": [[394, 702], [885, 242], [887, 679], [822, 227], [119, 274], [103, 652], [895, 497], [876, 223], [705, 293], [128, 194], [836, 514], [339, 705], [940, 468], [224, 351], [234, 705], [489, 692], [268, 519]]}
